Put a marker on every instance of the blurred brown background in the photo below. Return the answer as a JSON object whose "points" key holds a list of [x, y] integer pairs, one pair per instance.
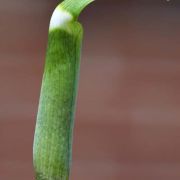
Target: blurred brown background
{"points": [[127, 123]]}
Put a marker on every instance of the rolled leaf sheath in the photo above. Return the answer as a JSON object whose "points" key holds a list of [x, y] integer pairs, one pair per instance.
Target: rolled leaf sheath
{"points": [[53, 133]]}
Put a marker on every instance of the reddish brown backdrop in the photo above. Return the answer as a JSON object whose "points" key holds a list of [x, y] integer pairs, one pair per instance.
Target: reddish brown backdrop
{"points": [[128, 119]]}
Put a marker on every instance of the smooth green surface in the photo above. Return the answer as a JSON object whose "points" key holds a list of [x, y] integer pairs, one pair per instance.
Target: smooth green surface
{"points": [[75, 6], [53, 135]]}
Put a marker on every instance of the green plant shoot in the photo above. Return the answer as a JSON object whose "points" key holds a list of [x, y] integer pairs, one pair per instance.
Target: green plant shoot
{"points": [[54, 128]]}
